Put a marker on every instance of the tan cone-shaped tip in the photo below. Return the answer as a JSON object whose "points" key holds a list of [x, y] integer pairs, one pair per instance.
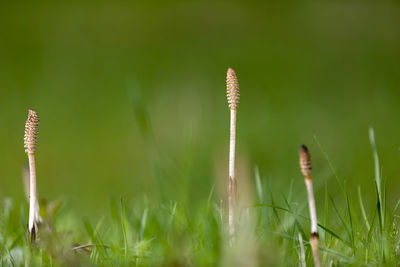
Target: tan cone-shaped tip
{"points": [[232, 89], [31, 131]]}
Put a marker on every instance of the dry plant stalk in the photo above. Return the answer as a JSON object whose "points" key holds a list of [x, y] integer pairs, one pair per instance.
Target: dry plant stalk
{"points": [[232, 90], [30, 139], [305, 166]]}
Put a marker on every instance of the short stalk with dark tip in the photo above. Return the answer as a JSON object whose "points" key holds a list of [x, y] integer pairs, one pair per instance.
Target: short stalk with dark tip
{"points": [[306, 168]]}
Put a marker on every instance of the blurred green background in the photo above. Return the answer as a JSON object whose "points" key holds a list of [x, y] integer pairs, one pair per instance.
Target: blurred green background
{"points": [[131, 95]]}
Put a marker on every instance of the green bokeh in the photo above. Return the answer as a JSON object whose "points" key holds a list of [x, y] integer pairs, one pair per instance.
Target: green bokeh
{"points": [[131, 95]]}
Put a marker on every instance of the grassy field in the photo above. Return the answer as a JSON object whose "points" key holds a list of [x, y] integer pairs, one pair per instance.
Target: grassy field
{"points": [[132, 156]]}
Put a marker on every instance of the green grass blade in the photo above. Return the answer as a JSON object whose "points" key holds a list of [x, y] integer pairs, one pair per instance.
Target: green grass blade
{"points": [[351, 222], [259, 185], [364, 214], [210, 195], [12, 261], [124, 228], [378, 181], [296, 221], [396, 206], [306, 218], [326, 212], [273, 209], [330, 163], [302, 253], [335, 253], [143, 223], [342, 221]]}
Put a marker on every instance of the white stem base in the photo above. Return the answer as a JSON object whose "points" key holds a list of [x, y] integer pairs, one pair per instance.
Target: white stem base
{"points": [[311, 205], [314, 239], [34, 217], [232, 181]]}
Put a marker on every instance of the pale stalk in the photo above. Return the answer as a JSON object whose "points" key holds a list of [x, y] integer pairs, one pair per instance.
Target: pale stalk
{"points": [[232, 180], [314, 239], [33, 202], [311, 204]]}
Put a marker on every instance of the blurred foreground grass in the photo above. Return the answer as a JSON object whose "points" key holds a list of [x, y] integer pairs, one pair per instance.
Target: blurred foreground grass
{"points": [[272, 230]]}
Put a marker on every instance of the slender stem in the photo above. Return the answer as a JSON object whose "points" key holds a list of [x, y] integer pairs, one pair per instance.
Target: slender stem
{"points": [[311, 205], [314, 239], [33, 203], [232, 145], [232, 180]]}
